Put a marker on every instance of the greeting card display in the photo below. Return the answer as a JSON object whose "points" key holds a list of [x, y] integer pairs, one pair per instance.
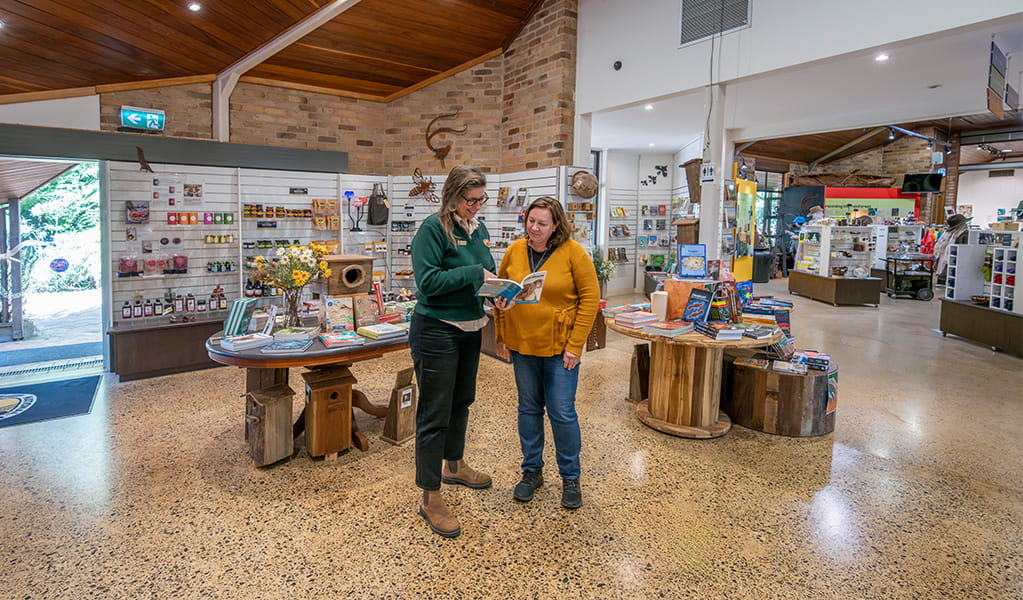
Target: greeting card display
{"points": [[136, 211]]}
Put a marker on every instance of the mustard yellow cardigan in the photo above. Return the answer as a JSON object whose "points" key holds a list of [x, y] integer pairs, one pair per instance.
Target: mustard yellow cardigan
{"points": [[568, 305]]}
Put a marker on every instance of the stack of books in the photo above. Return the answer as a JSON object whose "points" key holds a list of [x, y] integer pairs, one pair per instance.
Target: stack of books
{"points": [[287, 347], [341, 339], [783, 349], [719, 331], [756, 363], [236, 343], [383, 331], [814, 360], [758, 332], [613, 311], [784, 366], [296, 333], [668, 328], [637, 319]]}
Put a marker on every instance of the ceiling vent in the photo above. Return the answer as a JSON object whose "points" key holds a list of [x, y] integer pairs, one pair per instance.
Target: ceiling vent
{"points": [[701, 19], [1001, 173]]}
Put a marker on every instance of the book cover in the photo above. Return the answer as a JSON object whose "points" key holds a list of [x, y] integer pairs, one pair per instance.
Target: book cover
{"points": [[756, 363], [296, 333], [338, 313], [719, 331], [698, 306], [759, 332], [636, 317], [527, 291], [745, 291], [244, 342], [341, 339], [239, 315], [781, 317], [366, 310], [783, 366], [382, 331], [287, 347], [692, 260]]}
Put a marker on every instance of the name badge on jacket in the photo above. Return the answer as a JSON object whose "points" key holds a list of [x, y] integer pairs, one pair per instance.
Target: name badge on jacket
{"points": [[461, 242]]}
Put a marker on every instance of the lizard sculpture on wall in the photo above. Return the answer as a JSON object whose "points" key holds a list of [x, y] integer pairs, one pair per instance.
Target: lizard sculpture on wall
{"points": [[441, 152]]}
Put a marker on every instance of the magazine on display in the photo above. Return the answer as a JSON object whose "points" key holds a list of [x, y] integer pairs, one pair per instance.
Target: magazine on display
{"points": [[526, 292], [287, 347]]}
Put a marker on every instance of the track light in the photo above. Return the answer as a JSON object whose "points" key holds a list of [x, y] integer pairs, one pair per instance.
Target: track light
{"points": [[891, 134]]}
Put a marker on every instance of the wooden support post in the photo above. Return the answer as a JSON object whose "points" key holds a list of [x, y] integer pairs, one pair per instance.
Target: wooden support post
{"points": [[268, 424], [639, 382], [400, 422]]}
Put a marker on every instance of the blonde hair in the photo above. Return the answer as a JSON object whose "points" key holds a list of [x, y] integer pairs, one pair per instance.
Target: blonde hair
{"points": [[461, 179], [562, 230]]}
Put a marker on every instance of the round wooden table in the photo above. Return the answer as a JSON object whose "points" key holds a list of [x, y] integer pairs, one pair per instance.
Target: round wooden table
{"points": [[685, 381]]}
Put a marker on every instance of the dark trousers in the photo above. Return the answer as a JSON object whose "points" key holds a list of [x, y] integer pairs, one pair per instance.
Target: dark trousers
{"points": [[446, 360]]}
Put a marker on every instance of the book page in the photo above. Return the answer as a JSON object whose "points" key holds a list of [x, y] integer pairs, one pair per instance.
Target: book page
{"points": [[532, 288]]}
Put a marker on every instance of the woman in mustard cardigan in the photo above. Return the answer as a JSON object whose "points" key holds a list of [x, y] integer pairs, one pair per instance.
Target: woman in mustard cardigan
{"points": [[545, 341]]}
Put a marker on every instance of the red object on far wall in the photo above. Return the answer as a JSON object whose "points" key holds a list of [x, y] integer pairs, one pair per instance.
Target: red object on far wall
{"points": [[832, 195]]}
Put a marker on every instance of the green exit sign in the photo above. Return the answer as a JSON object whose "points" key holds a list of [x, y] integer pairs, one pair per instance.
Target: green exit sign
{"points": [[142, 118]]}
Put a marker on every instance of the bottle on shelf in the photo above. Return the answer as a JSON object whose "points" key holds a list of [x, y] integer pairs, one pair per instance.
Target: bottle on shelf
{"points": [[157, 308], [147, 308], [126, 310], [136, 309], [190, 303], [179, 304]]}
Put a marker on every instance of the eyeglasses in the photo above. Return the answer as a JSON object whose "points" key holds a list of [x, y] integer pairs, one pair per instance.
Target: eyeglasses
{"points": [[476, 201]]}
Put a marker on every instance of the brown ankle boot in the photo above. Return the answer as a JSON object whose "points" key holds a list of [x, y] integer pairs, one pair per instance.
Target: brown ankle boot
{"points": [[456, 471], [435, 511]]}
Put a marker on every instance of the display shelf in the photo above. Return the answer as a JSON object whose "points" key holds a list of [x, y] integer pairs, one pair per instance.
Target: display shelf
{"points": [[997, 329], [891, 241], [1004, 286], [964, 278], [835, 251]]}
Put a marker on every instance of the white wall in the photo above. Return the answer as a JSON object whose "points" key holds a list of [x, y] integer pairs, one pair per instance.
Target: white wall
{"points": [[67, 113], [644, 36], [988, 194]]}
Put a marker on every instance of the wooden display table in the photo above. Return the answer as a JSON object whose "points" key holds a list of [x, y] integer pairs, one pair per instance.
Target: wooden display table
{"points": [[685, 382], [835, 290], [999, 329], [783, 403], [331, 397], [137, 352]]}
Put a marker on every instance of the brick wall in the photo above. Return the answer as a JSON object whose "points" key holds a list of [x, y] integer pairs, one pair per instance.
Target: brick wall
{"points": [[519, 110], [273, 116], [189, 109], [539, 90], [476, 95]]}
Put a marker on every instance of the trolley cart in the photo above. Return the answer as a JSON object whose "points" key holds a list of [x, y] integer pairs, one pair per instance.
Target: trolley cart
{"points": [[909, 276]]}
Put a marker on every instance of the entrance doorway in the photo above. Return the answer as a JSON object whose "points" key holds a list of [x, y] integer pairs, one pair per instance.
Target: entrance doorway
{"points": [[50, 272]]}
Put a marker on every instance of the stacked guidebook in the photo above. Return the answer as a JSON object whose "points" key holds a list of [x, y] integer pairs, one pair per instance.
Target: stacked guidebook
{"points": [[236, 343], [341, 339], [296, 333], [719, 331], [668, 328], [287, 347], [383, 331], [758, 332], [636, 319]]}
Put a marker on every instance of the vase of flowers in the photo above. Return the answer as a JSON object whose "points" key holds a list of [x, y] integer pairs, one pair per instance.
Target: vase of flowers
{"points": [[291, 270]]}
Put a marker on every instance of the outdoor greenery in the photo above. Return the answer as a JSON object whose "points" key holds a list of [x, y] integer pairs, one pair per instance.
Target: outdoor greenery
{"points": [[62, 220], [605, 268]]}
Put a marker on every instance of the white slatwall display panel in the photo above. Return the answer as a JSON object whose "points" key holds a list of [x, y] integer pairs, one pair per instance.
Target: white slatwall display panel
{"points": [[407, 212], [523, 187], [582, 212], [655, 233], [358, 236], [211, 191], [274, 198], [623, 228]]}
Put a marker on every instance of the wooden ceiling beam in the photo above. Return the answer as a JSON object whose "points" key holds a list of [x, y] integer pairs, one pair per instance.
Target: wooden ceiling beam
{"points": [[48, 95], [377, 59], [154, 83], [228, 78], [445, 74], [288, 85]]}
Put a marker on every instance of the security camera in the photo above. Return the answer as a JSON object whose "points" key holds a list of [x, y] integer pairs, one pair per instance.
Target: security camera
{"points": [[617, 65]]}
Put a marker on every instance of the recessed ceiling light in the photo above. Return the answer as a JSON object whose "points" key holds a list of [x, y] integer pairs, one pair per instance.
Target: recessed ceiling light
{"points": [[881, 57], [194, 6], [649, 107], [651, 145]]}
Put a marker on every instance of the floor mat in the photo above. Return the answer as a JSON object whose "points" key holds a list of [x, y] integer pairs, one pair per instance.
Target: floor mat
{"points": [[45, 401]]}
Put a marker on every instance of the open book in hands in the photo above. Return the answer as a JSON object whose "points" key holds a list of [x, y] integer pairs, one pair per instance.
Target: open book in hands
{"points": [[525, 292]]}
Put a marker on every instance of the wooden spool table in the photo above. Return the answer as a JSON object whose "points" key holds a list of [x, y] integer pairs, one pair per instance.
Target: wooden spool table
{"points": [[789, 404], [685, 382], [329, 389]]}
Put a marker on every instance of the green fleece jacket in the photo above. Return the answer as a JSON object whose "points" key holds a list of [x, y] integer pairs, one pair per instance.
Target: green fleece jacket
{"points": [[448, 275]]}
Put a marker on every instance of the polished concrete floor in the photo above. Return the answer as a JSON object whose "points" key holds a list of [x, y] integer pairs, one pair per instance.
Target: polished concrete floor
{"points": [[918, 494]]}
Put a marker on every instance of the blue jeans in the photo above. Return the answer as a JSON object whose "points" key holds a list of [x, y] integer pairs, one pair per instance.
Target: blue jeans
{"points": [[543, 382], [445, 359]]}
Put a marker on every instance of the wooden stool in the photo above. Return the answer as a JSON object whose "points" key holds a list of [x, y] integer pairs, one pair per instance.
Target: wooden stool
{"points": [[783, 403], [268, 424], [328, 410], [400, 422]]}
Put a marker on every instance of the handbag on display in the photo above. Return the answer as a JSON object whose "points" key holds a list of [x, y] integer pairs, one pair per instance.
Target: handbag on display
{"points": [[379, 207]]}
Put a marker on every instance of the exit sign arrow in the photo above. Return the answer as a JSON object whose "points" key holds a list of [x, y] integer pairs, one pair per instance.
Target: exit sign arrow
{"points": [[149, 119]]}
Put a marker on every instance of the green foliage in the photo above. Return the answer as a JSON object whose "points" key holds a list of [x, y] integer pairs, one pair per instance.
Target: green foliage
{"points": [[62, 220], [605, 268]]}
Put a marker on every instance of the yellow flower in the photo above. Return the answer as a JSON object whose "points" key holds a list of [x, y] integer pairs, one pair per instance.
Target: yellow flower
{"points": [[323, 265], [326, 273]]}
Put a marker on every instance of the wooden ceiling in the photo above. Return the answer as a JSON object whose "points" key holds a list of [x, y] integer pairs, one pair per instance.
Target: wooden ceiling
{"points": [[374, 49], [806, 149]]}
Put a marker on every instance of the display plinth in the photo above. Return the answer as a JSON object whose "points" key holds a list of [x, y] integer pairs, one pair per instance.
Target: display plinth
{"points": [[835, 290], [998, 329]]}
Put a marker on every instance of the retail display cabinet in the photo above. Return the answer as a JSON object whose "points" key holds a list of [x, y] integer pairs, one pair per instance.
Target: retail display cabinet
{"points": [[833, 265]]}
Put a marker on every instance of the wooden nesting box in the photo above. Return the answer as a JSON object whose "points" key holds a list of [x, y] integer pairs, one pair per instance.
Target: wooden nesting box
{"points": [[400, 422], [268, 424], [350, 274], [328, 410]]}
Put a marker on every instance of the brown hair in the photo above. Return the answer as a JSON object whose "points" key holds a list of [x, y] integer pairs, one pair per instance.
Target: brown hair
{"points": [[461, 179], [562, 230]]}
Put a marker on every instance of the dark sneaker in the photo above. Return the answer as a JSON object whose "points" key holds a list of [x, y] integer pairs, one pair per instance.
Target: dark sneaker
{"points": [[571, 495], [525, 489]]}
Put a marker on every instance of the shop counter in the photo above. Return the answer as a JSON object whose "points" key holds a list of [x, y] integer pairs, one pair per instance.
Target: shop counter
{"points": [[999, 329]]}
